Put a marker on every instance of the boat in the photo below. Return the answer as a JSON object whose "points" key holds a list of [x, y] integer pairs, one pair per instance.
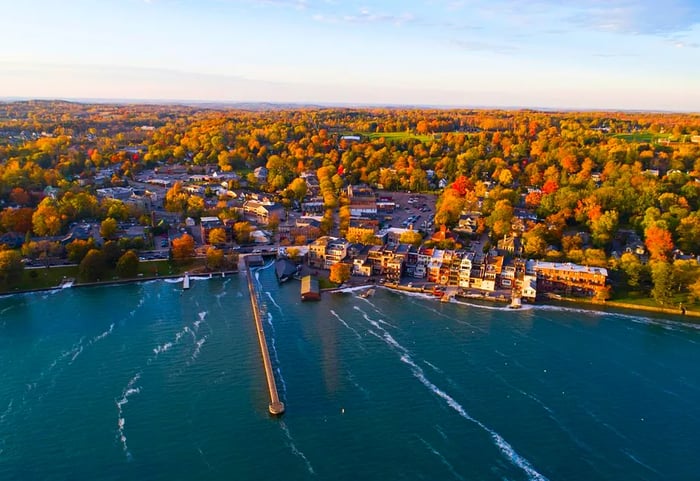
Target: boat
{"points": [[186, 282], [368, 293], [67, 283]]}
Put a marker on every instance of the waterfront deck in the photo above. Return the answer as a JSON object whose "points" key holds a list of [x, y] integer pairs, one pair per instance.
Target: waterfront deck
{"points": [[276, 407]]}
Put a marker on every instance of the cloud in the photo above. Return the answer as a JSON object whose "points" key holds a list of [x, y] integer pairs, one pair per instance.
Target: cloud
{"points": [[641, 17], [365, 16], [479, 46]]}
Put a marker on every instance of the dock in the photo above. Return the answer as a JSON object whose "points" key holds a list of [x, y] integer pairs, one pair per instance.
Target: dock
{"points": [[276, 407]]}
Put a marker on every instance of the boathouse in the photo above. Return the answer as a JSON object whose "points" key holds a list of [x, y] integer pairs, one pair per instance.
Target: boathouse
{"points": [[309, 289]]}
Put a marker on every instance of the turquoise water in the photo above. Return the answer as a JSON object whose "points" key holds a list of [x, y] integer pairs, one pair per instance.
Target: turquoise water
{"points": [[147, 382]]}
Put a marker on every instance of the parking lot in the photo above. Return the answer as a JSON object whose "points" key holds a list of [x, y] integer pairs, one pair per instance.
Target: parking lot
{"points": [[412, 209]]}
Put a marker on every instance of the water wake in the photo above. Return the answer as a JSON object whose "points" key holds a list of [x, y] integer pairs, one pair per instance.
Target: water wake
{"points": [[442, 459], [272, 299], [7, 411], [505, 448], [130, 390], [342, 321], [295, 450], [198, 348]]}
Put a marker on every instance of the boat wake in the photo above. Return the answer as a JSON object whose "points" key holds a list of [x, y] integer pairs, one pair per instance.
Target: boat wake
{"points": [[506, 449], [295, 450], [130, 390], [442, 458], [342, 321]]}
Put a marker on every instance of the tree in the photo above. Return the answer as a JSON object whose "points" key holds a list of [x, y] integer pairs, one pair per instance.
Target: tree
{"points": [[108, 228], [183, 247], [217, 236], [128, 264], [603, 227], [11, 267], [662, 280], [411, 237], [93, 266], [47, 220], [242, 232], [78, 249], [111, 252], [298, 188], [176, 199], [658, 242], [215, 258], [340, 272], [632, 267]]}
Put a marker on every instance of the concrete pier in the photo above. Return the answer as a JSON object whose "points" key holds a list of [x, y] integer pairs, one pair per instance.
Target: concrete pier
{"points": [[276, 406]]}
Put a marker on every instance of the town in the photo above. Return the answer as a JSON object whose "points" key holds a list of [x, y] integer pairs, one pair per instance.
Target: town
{"points": [[462, 203]]}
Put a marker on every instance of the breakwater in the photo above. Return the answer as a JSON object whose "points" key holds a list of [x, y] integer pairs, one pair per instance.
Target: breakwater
{"points": [[276, 407]]}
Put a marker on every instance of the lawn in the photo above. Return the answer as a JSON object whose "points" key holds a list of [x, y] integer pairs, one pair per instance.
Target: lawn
{"points": [[641, 137], [642, 298], [389, 136], [47, 278]]}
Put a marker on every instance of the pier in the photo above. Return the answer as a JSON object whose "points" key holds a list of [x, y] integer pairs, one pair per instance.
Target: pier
{"points": [[276, 406]]}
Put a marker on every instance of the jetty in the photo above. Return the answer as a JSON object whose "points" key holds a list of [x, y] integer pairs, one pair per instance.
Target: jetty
{"points": [[276, 407]]}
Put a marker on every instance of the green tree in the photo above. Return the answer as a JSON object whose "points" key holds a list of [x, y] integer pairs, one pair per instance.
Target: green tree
{"points": [[93, 266], [632, 267], [242, 232], [11, 267], [128, 264], [111, 252], [662, 281], [108, 228]]}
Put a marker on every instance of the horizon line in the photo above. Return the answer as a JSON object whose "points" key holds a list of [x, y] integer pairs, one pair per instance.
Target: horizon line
{"points": [[311, 104]]}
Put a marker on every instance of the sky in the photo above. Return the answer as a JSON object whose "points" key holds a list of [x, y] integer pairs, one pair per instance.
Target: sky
{"points": [[585, 54]]}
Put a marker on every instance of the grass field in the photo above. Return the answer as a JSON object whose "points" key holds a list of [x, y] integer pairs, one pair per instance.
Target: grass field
{"points": [[389, 136], [642, 137], [47, 278]]}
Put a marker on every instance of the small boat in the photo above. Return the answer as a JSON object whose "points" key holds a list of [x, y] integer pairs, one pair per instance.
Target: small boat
{"points": [[368, 293], [186, 282]]}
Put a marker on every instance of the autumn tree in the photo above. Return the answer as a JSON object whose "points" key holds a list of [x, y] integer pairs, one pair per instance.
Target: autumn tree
{"points": [[340, 272], [183, 247], [658, 242], [217, 236], [78, 249], [214, 257], [242, 231], [411, 237], [47, 220], [632, 267], [128, 264], [176, 199]]}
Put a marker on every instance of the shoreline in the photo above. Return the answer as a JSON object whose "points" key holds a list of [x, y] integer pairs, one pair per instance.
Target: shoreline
{"points": [[115, 282], [600, 305], [591, 304]]}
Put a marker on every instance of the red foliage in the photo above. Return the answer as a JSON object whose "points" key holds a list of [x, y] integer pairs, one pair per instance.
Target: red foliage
{"points": [[550, 187], [462, 184], [658, 242]]}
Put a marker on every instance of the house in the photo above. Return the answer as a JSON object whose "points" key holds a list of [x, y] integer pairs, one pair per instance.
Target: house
{"points": [[567, 276], [363, 201], [261, 211], [528, 289], [468, 222], [260, 174], [326, 251], [511, 244]]}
